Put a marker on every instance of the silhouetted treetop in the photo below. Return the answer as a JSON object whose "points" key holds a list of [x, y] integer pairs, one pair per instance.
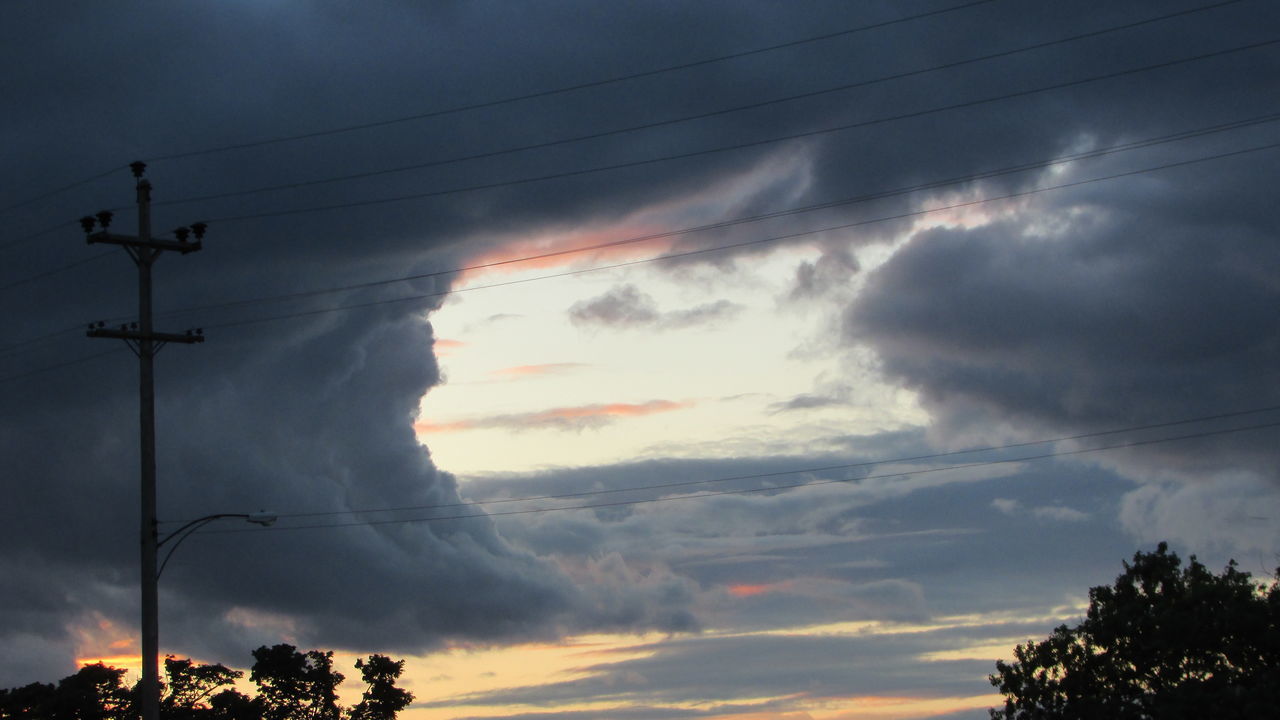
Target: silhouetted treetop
{"points": [[1163, 642]]}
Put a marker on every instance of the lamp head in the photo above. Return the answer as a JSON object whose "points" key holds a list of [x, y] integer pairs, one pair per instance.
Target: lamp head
{"points": [[262, 517]]}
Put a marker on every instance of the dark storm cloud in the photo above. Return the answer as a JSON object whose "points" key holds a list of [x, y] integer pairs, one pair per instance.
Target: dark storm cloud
{"points": [[1122, 319], [314, 414]]}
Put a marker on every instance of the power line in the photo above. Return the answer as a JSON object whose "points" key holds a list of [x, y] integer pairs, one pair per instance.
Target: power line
{"points": [[748, 243], [761, 476], [932, 185], [33, 235], [59, 190], [770, 488], [1038, 164], [488, 104], [659, 159], [567, 89], [60, 365], [699, 116], [744, 145], [54, 271], [673, 256], [884, 194], [39, 339]]}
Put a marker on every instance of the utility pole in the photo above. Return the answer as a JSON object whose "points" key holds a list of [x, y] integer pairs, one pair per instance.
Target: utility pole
{"points": [[145, 343]]}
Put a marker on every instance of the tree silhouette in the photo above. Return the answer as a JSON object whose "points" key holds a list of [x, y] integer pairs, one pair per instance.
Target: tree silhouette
{"points": [[192, 688], [382, 700], [296, 686], [1165, 642], [95, 692], [292, 685]]}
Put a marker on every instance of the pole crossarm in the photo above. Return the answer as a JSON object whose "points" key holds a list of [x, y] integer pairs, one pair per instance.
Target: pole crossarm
{"points": [[132, 241], [135, 335]]}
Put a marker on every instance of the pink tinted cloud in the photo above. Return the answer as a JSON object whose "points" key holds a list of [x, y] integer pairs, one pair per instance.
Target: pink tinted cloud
{"points": [[748, 590], [564, 249], [566, 418], [520, 371], [444, 346]]}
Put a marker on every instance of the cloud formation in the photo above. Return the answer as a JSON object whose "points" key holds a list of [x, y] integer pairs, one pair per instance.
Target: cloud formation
{"points": [[565, 418], [628, 307]]}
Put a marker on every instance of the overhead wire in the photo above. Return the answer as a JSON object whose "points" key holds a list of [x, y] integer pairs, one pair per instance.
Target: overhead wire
{"points": [[867, 197], [698, 116], [748, 243], [768, 488], [54, 271], [670, 256], [59, 366], [59, 190], [572, 88], [492, 103], [743, 145], [723, 224], [602, 134], [8, 349], [796, 471], [13, 242]]}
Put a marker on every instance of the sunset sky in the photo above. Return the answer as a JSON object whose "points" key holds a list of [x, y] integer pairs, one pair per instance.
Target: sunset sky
{"points": [[719, 359]]}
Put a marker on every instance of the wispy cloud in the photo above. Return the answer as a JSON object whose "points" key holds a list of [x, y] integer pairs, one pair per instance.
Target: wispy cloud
{"points": [[520, 371], [444, 346], [565, 418], [748, 590], [1044, 512]]}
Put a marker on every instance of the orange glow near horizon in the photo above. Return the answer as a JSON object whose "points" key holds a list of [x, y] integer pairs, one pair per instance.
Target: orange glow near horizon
{"points": [[555, 416], [127, 662]]}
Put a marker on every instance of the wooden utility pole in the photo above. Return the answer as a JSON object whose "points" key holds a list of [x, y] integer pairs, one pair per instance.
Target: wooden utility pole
{"points": [[145, 343]]}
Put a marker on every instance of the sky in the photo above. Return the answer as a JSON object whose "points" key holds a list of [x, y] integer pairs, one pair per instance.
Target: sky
{"points": [[730, 359]]}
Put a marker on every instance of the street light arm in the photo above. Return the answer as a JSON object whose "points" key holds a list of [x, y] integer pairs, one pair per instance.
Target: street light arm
{"points": [[259, 518], [195, 524]]}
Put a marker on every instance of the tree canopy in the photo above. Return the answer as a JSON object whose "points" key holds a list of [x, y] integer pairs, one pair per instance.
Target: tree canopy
{"points": [[291, 685], [1164, 642]]}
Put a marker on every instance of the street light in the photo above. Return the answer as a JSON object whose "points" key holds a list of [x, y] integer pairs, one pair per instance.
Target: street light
{"points": [[151, 620]]}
